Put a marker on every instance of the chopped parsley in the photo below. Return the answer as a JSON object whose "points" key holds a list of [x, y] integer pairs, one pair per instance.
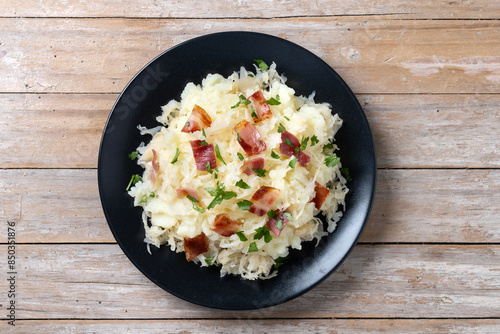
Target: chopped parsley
{"points": [[303, 143], [238, 136], [271, 214], [203, 143], [262, 64], [260, 172], [346, 174], [314, 140], [187, 124], [243, 100], [242, 184], [240, 156], [279, 223], [263, 232], [219, 194], [331, 160], [278, 262], [289, 142], [241, 236], [133, 180], [143, 199], [274, 101], [286, 118], [250, 75], [209, 168], [292, 162], [281, 128], [254, 115], [252, 247], [244, 205], [195, 206], [209, 260], [133, 155], [217, 154], [328, 146], [274, 155], [176, 156]]}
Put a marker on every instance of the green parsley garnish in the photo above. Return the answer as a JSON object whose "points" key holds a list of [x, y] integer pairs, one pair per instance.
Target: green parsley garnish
{"points": [[262, 64], [243, 100], [219, 195], [177, 152], [287, 215], [195, 206], [279, 223], [250, 75], [260, 172], [242, 184], [286, 118], [271, 214], [289, 142], [217, 154], [314, 140], [238, 136], [274, 155], [252, 247], [292, 162], [133, 155], [281, 128], [133, 180], [241, 236], [244, 205], [278, 262], [187, 124], [346, 174], [209, 168], [143, 199], [240, 156], [209, 260], [331, 159], [203, 143], [263, 232], [303, 143], [328, 146], [274, 101], [254, 115], [192, 199]]}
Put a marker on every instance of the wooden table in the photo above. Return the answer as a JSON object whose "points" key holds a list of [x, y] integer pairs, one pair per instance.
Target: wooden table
{"points": [[427, 74]]}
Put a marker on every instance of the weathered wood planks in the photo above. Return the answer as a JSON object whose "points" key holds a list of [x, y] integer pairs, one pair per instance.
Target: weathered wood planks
{"points": [[410, 131], [373, 55], [404, 281], [250, 9], [430, 206]]}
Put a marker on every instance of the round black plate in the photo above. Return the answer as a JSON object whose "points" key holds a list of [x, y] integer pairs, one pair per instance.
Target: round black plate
{"points": [[163, 79]]}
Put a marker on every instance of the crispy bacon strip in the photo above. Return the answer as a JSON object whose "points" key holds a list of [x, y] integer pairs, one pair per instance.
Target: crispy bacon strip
{"points": [[260, 105], [183, 192], [271, 223], [250, 165], [321, 194], [288, 147], [195, 246], [249, 138], [263, 199], [156, 167], [203, 154], [198, 120], [225, 226]]}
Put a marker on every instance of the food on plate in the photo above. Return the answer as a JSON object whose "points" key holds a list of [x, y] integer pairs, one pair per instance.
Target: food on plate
{"points": [[239, 172]]}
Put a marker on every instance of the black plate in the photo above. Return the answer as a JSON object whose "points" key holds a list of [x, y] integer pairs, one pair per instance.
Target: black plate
{"points": [[163, 79]]}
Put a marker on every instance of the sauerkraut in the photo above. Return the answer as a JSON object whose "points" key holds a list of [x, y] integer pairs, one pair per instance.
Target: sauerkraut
{"points": [[170, 220]]}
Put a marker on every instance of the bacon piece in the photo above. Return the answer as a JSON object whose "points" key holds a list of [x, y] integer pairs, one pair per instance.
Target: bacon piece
{"points": [[156, 167], [321, 194], [250, 165], [203, 154], [271, 223], [249, 138], [198, 120], [263, 199], [260, 105], [225, 226], [183, 192], [288, 146], [195, 246]]}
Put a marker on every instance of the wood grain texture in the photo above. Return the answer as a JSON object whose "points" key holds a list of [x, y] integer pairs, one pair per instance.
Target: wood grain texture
{"points": [[254, 326], [371, 54], [99, 282], [248, 9], [449, 206], [410, 131]]}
